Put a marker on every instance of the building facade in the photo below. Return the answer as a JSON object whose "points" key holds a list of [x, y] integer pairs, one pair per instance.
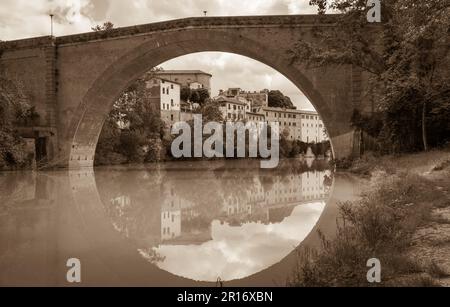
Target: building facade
{"points": [[165, 94], [232, 109], [295, 125], [193, 79]]}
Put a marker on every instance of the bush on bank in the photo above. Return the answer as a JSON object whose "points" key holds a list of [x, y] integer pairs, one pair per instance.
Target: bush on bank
{"points": [[380, 225]]}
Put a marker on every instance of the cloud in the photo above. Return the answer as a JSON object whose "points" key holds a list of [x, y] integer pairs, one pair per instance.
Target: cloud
{"points": [[238, 252], [21, 19], [232, 70]]}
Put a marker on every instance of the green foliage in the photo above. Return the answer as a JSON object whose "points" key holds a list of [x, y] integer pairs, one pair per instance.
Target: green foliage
{"points": [[185, 94], [278, 100], [132, 127], [15, 110], [107, 26], [407, 61], [200, 96], [380, 225], [211, 112]]}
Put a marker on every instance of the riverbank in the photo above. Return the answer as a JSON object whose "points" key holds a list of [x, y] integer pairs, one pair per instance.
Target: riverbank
{"points": [[403, 219]]}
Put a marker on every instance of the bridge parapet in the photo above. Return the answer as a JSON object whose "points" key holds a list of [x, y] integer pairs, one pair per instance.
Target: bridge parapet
{"points": [[192, 22]]}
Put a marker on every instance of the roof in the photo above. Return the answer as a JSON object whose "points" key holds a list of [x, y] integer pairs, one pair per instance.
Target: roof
{"points": [[165, 80], [255, 113], [183, 72], [227, 99], [308, 112], [169, 81]]}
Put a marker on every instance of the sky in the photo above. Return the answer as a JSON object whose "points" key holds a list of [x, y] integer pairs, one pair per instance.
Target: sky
{"points": [[238, 252], [23, 18]]}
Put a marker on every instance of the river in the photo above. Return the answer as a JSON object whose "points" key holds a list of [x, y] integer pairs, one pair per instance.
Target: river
{"points": [[170, 224]]}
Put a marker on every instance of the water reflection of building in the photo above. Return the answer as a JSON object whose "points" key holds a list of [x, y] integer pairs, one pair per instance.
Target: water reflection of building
{"points": [[276, 203], [184, 221]]}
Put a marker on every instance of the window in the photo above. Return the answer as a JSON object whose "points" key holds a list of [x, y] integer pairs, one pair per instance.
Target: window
{"points": [[234, 107], [171, 117], [164, 90], [303, 116], [171, 102], [173, 218], [229, 106], [171, 86]]}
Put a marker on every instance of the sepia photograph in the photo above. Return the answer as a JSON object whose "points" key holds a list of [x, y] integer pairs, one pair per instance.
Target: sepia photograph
{"points": [[226, 151]]}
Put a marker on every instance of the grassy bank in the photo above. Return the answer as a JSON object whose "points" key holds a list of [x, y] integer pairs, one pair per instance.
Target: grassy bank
{"points": [[403, 219]]}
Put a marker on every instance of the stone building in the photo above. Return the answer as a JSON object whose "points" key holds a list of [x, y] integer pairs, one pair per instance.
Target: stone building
{"points": [[296, 125], [165, 95], [193, 79], [256, 99], [232, 109]]}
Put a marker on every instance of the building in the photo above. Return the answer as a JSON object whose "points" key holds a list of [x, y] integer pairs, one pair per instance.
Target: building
{"points": [[196, 85], [165, 95], [296, 125], [288, 119], [313, 129], [256, 99], [232, 109], [193, 79]]}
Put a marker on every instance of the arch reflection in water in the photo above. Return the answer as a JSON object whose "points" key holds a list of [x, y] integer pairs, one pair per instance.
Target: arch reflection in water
{"points": [[220, 219]]}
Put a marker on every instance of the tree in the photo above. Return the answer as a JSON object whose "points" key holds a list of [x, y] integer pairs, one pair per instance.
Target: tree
{"points": [[185, 93], [278, 100], [211, 112], [107, 26], [406, 60], [15, 110], [132, 125]]}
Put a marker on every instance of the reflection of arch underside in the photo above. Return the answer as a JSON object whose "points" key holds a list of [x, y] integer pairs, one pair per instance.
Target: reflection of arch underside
{"points": [[86, 125]]}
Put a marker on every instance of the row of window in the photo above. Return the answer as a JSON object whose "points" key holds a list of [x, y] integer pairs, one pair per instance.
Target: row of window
{"points": [[312, 125], [166, 90], [167, 231], [235, 107], [167, 215], [287, 115], [167, 106], [234, 116]]}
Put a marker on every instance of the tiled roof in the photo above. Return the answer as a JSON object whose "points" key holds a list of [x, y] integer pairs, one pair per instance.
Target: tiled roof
{"points": [[183, 72]]}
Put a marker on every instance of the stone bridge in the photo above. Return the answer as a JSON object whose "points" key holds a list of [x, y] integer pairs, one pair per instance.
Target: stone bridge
{"points": [[74, 80]]}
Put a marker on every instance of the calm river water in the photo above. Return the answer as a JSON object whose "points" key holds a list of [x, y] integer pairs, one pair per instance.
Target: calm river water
{"points": [[171, 224]]}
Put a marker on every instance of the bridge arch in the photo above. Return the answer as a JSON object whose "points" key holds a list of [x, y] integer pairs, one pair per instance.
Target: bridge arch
{"points": [[87, 121]]}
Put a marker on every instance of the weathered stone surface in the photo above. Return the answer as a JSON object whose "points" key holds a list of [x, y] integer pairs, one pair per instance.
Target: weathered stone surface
{"points": [[73, 80]]}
